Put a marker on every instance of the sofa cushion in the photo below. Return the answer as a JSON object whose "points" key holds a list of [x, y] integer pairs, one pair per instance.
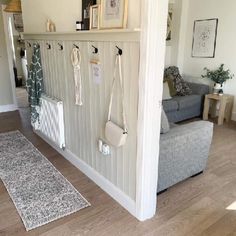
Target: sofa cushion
{"points": [[170, 105], [165, 127], [166, 92], [185, 102], [170, 81]]}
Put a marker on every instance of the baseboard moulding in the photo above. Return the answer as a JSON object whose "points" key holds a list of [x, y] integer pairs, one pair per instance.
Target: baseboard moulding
{"points": [[7, 108], [119, 196]]}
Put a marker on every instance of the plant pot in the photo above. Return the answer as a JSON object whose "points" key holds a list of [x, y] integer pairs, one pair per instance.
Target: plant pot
{"points": [[218, 88]]}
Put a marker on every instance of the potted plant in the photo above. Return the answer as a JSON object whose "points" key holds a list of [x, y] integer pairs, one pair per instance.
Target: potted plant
{"points": [[219, 77]]}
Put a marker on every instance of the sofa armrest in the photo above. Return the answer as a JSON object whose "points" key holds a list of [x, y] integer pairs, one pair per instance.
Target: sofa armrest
{"points": [[200, 89], [184, 152]]}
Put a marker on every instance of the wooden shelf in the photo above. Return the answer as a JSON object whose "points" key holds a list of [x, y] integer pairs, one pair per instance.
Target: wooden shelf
{"points": [[114, 35]]}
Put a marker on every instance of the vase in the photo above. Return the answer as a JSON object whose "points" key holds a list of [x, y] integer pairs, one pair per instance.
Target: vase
{"points": [[218, 88]]}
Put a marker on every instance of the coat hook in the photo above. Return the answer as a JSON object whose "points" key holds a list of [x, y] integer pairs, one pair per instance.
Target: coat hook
{"points": [[76, 46], [49, 46], [95, 50], [61, 46], [119, 51]]}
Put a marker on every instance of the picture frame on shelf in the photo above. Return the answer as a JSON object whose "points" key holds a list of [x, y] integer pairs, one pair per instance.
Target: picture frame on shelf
{"points": [[113, 14], [94, 17], [86, 4], [204, 38]]}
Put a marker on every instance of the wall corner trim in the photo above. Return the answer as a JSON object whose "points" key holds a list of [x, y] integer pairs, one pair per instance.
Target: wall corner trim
{"points": [[7, 108], [101, 181]]}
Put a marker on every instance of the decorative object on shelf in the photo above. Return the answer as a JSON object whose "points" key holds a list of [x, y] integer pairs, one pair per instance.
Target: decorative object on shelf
{"points": [[14, 6], [86, 4], [94, 17], [50, 26], [114, 14], [114, 134], [204, 38], [79, 25], [18, 22], [219, 77], [169, 22]]}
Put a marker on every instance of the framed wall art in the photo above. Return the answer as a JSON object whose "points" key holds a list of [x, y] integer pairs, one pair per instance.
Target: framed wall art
{"points": [[169, 22], [204, 38], [114, 14], [94, 17]]}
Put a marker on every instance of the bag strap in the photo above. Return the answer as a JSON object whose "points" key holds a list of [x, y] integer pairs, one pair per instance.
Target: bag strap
{"points": [[118, 64]]}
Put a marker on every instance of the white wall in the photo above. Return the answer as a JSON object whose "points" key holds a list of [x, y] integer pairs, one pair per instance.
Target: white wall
{"points": [[6, 95], [64, 13], [225, 48]]}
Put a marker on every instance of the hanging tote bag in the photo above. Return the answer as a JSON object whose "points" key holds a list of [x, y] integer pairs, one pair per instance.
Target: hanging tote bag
{"points": [[114, 134]]}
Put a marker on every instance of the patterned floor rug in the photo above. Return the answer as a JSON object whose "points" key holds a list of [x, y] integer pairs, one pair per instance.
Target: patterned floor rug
{"points": [[39, 191]]}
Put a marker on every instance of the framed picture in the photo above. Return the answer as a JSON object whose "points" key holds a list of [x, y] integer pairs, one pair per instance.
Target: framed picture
{"points": [[169, 22], [94, 17], [114, 14], [204, 38], [86, 4]]}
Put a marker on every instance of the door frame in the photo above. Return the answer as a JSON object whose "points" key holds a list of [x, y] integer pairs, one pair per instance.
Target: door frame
{"points": [[9, 55], [152, 60]]}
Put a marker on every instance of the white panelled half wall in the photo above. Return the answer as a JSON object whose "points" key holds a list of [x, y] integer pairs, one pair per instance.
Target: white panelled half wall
{"points": [[84, 125]]}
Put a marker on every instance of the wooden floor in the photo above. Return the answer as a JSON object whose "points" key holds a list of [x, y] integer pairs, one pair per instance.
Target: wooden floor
{"points": [[194, 207]]}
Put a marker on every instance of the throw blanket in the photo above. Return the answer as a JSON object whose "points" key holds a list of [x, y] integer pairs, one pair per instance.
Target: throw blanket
{"points": [[34, 84]]}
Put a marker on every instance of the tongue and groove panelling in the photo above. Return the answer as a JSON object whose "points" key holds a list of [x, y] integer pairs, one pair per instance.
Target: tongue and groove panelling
{"points": [[84, 125]]}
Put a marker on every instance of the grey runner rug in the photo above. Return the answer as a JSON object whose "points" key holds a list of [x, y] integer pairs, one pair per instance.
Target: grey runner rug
{"points": [[40, 193]]}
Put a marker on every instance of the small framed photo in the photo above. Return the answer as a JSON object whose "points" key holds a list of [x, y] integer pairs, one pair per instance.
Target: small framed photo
{"points": [[114, 14], [94, 17], [204, 38]]}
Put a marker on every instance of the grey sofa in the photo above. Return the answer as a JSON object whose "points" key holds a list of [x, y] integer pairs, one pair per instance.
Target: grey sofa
{"points": [[181, 108], [184, 152]]}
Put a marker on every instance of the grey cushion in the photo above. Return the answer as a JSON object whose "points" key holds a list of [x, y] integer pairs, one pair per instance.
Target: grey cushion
{"points": [[185, 102], [170, 105], [165, 127]]}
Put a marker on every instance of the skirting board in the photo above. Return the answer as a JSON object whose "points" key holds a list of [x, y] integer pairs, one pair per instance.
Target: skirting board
{"points": [[7, 108], [101, 181]]}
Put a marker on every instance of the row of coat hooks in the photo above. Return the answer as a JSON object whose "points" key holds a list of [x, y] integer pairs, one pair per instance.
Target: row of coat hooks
{"points": [[49, 47]]}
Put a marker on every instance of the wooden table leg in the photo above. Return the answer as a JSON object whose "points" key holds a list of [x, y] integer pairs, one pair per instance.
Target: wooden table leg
{"points": [[221, 118], [206, 108], [229, 110]]}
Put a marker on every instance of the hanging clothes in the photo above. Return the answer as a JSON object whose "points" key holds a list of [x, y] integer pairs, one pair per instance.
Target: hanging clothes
{"points": [[34, 84], [76, 61]]}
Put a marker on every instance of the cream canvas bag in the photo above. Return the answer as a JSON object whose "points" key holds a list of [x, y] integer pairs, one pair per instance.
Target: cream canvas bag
{"points": [[114, 134]]}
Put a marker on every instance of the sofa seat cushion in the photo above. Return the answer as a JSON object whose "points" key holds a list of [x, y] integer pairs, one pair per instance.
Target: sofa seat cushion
{"points": [[170, 105], [186, 102]]}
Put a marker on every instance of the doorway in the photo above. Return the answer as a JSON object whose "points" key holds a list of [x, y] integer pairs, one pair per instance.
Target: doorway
{"points": [[17, 57]]}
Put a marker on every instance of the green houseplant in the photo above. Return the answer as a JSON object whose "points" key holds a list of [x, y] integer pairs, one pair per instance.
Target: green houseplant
{"points": [[218, 76]]}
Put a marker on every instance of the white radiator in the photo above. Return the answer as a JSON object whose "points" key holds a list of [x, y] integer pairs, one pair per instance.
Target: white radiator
{"points": [[51, 120]]}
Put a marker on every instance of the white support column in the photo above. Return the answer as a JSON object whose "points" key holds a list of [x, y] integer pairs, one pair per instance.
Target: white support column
{"points": [[152, 57]]}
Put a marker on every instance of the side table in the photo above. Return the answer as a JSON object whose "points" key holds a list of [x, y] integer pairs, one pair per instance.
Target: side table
{"points": [[226, 106]]}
